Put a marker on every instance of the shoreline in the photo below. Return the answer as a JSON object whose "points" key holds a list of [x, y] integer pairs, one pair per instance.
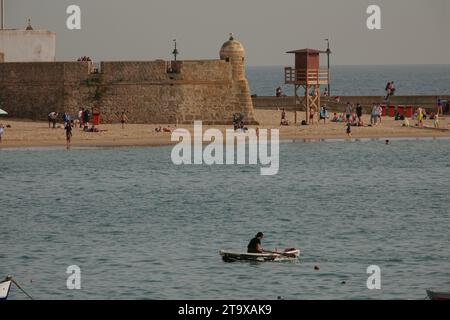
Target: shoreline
{"points": [[133, 136], [282, 141], [26, 134]]}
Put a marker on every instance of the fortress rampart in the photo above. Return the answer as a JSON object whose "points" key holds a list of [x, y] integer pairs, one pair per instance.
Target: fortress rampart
{"points": [[150, 92]]}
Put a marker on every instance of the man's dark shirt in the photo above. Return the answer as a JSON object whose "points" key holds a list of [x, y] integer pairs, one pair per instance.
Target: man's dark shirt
{"points": [[252, 246]]}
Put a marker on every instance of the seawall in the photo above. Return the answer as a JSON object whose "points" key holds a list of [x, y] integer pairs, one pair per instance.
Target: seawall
{"points": [[288, 103]]}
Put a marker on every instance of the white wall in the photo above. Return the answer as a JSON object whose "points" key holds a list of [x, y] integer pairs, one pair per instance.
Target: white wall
{"points": [[28, 46]]}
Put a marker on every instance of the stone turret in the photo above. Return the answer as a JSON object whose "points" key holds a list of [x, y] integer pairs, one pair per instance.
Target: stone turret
{"points": [[233, 52]]}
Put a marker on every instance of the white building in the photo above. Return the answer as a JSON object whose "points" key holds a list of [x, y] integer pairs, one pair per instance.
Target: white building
{"points": [[27, 45]]}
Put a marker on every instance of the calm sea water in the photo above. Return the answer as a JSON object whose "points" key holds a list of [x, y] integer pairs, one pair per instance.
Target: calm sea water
{"points": [[362, 80], [142, 228]]}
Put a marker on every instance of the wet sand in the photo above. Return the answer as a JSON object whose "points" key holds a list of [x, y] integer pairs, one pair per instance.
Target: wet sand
{"points": [[27, 134]]}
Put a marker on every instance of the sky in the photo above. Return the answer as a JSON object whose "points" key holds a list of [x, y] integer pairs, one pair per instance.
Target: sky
{"points": [[413, 31]]}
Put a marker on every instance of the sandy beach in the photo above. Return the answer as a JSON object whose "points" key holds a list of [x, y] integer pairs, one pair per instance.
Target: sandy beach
{"points": [[29, 134]]}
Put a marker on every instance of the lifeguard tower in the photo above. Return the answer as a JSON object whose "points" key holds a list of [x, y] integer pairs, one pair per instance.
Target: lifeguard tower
{"points": [[307, 75]]}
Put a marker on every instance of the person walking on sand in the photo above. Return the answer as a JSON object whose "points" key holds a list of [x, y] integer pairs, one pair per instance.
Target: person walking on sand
{"points": [[123, 119], [420, 116], [2, 132], [349, 129], [68, 129], [379, 113]]}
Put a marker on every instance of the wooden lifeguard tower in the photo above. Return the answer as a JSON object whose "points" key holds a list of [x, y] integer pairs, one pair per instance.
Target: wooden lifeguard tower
{"points": [[307, 75]]}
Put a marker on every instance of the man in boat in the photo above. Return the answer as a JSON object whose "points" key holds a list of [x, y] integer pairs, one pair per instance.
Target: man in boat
{"points": [[255, 244]]}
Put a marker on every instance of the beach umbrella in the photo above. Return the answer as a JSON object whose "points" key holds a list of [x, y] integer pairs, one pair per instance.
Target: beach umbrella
{"points": [[3, 112]]}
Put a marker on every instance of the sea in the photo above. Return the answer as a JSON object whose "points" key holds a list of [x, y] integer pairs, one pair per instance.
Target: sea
{"points": [[140, 227], [362, 80]]}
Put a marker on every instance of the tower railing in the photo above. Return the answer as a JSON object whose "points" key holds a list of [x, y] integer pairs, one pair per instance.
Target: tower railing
{"points": [[306, 77]]}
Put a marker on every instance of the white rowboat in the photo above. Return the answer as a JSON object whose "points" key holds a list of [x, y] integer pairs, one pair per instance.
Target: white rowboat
{"points": [[287, 255], [4, 290]]}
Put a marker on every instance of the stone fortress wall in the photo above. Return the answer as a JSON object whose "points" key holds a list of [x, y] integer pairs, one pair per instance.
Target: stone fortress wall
{"points": [[150, 92]]}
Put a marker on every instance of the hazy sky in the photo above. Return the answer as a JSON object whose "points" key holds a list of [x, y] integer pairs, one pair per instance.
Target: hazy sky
{"points": [[414, 31]]}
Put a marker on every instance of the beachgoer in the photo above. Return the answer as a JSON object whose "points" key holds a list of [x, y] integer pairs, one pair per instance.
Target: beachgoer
{"points": [[66, 118], [349, 129], [354, 119], [86, 118], [440, 107], [255, 244], [373, 117], [359, 112], [325, 93], [348, 111], [123, 119], [335, 118], [436, 121], [312, 113], [68, 129], [52, 116], [80, 117], [2, 132], [379, 113], [279, 92], [390, 90], [405, 122], [420, 116], [283, 118], [324, 114]]}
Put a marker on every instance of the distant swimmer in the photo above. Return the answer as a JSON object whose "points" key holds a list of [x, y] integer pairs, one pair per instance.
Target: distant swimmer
{"points": [[255, 244]]}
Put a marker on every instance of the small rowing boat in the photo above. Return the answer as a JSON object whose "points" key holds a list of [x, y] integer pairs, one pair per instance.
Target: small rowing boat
{"points": [[4, 289], [438, 295], [287, 255]]}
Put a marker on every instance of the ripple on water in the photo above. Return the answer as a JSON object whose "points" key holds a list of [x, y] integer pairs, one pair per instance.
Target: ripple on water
{"points": [[151, 230]]}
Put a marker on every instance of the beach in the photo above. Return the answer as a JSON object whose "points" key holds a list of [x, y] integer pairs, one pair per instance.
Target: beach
{"points": [[30, 134]]}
